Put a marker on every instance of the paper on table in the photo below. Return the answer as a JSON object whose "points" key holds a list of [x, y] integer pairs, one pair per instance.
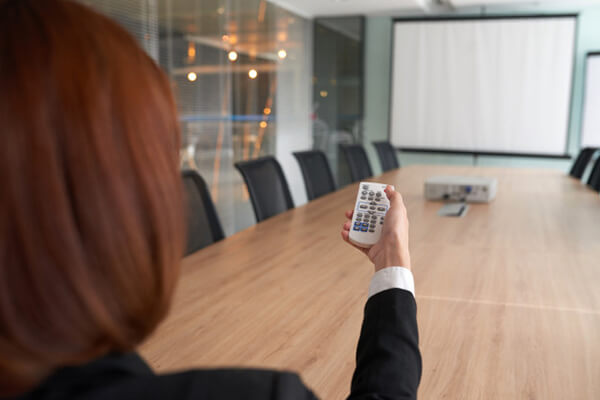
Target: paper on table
{"points": [[453, 210]]}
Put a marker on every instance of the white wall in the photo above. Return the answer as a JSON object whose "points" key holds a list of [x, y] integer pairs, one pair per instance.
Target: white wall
{"points": [[377, 84]]}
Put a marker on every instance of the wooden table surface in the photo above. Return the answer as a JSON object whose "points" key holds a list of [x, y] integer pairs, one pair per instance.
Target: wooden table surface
{"points": [[508, 296]]}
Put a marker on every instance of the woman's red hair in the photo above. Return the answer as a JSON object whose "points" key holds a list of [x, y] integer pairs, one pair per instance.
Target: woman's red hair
{"points": [[91, 227]]}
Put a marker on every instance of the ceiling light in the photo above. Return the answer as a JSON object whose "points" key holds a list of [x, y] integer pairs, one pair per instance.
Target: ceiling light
{"points": [[252, 74], [192, 76], [191, 52], [323, 93], [263, 124], [232, 55], [282, 54]]}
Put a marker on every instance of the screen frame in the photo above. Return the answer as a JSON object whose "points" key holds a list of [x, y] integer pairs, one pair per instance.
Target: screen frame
{"points": [[565, 155], [592, 53]]}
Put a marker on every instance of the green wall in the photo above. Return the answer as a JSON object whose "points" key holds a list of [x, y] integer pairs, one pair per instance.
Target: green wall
{"points": [[378, 57]]}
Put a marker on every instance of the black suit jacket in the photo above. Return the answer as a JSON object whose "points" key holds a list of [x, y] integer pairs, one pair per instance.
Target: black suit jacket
{"points": [[388, 366]]}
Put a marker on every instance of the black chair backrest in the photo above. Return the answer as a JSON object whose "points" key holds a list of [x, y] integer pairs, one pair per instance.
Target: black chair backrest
{"points": [[318, 178], [269, 191], [203, 226], [356, 156], [594, 181], [583, 159], [387, 155]]}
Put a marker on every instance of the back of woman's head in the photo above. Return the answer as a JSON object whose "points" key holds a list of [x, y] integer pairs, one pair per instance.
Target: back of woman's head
{"points": [[90, 200]]}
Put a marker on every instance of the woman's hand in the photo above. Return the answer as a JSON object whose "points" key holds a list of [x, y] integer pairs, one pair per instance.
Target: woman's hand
{"points": [[392, 248]]}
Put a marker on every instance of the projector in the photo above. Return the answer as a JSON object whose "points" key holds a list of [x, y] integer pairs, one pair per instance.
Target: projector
{"points": [[461, 188]]}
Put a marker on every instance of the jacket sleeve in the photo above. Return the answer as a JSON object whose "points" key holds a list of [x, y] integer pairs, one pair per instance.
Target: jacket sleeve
{"points": [[388, 361]]}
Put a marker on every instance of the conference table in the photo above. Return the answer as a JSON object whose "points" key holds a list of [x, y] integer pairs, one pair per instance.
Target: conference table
{"points": [[508, 296]]}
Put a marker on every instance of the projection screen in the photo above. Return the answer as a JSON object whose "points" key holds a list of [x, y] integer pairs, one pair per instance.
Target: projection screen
{"points": [[590, 135], [499, 85]]}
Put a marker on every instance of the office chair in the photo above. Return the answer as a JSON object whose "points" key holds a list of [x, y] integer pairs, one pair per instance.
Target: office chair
{"points": [[203, 226], [387, 156], [318, 178], [594, 180], [357, 160], [267, 186], [580, 164]]}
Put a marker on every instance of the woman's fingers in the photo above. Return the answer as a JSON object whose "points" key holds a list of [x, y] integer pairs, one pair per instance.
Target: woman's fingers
{"points": [[349, 214], [347, 225], [345, 235]]}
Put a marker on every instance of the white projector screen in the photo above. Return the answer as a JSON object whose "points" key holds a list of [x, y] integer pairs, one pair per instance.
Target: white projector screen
{"points": [[496, 85], [590, 136]]}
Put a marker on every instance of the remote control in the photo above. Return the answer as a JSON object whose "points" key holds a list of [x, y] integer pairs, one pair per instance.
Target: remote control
{"points": [[369, 214]]}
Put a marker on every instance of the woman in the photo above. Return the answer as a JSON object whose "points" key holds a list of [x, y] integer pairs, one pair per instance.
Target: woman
{"points": [[91, 226]]}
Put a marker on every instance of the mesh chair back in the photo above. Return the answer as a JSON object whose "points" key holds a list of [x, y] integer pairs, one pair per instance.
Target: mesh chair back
{"points": [[583, 159], [203, 226], [594, 180], [318, 178], [387, 155], [268, 189], [356, 156]]}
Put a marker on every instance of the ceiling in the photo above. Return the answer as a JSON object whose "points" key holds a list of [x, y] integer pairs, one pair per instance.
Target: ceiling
{"points": [[311, 8]]}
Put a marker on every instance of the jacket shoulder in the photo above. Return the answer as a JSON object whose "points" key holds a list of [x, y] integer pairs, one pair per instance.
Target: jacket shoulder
{"points": [[209, 384]]}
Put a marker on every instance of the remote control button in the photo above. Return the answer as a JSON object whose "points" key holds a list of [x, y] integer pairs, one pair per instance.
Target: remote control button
{"points": [[359, 215], [364, 230], [371, 212], [365, 224], [357, 222], [378, 194], [372, 203], [372, 208], [371, 199], [363, 206], [371, 230], [380, 208], [366, 187], [371, 193], [363, 198], [356, 228]]}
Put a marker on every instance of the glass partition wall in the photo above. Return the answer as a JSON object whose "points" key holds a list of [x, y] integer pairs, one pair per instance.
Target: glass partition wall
{"points": [[338, 88], [240, 71]]}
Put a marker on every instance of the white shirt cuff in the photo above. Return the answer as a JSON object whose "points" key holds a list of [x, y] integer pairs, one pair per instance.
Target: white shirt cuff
{"points": [[392, 278]]}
